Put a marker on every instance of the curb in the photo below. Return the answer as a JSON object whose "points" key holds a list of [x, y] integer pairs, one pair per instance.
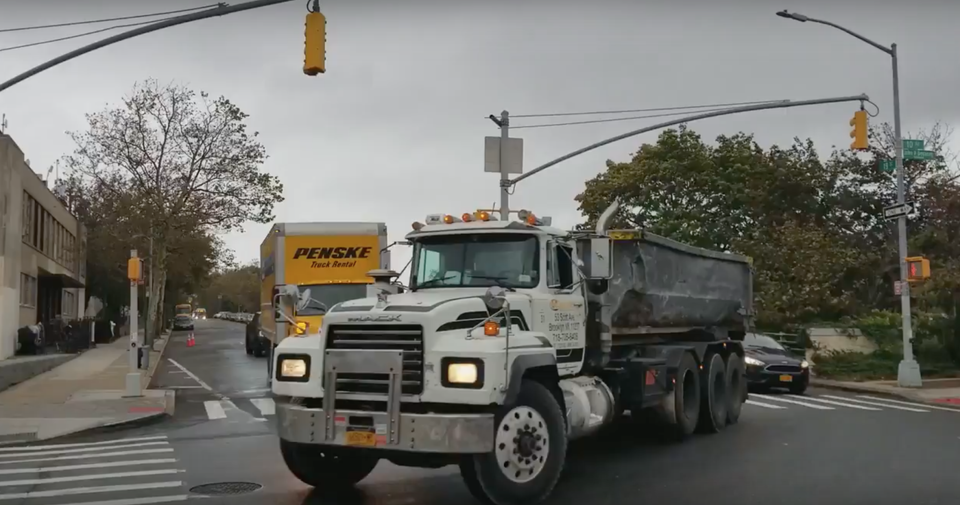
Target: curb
{"points": [[867, 388]]}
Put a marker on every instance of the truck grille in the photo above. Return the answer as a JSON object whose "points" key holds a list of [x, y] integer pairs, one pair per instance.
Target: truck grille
{"points": [[405, 337]]}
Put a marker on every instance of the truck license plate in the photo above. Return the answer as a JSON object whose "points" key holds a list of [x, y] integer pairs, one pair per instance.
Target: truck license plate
{"points": [[786, 378], [361, 438]]}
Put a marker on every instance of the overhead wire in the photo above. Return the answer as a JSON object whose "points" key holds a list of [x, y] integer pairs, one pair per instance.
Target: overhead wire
{"points": [[633, 111], [79, 35], [610, 120], [107, 20]]}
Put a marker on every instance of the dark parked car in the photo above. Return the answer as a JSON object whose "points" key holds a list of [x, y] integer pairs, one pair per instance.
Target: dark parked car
{"points": [[257, 343], [771, 365], [183, 322]]}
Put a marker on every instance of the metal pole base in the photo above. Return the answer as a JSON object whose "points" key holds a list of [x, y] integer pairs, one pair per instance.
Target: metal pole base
{"points": [[908, 374], [132, 385]]}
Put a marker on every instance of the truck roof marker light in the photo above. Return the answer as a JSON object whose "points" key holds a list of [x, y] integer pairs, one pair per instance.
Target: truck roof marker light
{"points": [[448, 219], [483, 215], [491, 329], [416, 225], [467, 217]]}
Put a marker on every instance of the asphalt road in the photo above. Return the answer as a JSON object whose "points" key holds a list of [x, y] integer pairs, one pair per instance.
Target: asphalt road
{"points": [[825, 448]]}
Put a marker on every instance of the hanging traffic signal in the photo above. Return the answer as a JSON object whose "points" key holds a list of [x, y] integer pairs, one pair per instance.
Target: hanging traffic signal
{"points": [[918, 268], [859, 132], [315, 44]]}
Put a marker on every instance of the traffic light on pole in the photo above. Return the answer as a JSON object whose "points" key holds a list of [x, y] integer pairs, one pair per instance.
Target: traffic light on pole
{"points": [[859, 132], [918, 268], [315, 44]]}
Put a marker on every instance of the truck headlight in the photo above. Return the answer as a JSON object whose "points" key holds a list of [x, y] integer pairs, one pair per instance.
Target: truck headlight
{"points": [[293, 368], [461, 373], [804, 364], [753, 361]]}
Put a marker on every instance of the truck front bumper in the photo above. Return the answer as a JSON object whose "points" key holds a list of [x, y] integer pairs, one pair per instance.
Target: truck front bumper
{"points": [[435, 433]]}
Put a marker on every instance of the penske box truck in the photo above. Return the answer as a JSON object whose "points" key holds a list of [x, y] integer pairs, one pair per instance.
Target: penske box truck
{"points": [[328, 262]]}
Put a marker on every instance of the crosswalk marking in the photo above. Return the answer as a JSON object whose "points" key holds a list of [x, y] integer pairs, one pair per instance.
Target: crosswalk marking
{"points": [[88, 444], [141, 501], [764, 405], [84, 456], [87, 490], [88, 466], [838, 404], [214, 409], [266, 406], [878, 404], [80, 449], [797, 402], [899, 402], [109, 476]]}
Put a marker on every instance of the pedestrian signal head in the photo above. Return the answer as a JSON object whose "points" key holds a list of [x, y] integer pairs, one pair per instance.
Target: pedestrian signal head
{"points": [[918, 268]]}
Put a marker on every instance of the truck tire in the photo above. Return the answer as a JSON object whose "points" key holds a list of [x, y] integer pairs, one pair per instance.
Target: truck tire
{"points": [[736, 387], [320, 469], [530, 450], [714, 396], [686, 397]]}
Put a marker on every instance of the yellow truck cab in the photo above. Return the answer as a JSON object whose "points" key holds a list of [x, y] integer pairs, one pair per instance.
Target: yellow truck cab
{"points": [[328, 262]]}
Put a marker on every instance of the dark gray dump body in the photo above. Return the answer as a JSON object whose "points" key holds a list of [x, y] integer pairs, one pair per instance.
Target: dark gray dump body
{"points": [[662, 284]]}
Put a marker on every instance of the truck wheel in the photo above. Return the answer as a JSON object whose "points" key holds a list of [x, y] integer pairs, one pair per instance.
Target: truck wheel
{"points": [[686, 397], [713, 409], [736, 387], [529, 452], [468, 472], [320, 469]]}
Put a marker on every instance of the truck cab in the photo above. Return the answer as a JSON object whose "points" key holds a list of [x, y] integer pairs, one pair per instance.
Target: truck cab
{"points": [[502, 349]]}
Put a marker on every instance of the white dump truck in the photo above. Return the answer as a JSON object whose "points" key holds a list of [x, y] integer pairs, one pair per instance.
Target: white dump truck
{"points": [[513, 338]]}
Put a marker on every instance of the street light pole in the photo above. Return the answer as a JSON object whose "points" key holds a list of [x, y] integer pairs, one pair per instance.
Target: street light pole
{"points": [[908, 373]]}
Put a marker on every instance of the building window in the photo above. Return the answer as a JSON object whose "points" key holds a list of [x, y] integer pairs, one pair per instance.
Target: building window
{"points": [[69, 304], [28, 290]]}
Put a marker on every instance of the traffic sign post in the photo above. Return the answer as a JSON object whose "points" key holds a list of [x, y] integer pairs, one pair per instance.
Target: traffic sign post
{"points": [[900, 209]]}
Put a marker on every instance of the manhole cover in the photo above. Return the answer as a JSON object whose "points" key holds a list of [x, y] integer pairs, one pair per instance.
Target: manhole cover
{"points": [[226, 488]]}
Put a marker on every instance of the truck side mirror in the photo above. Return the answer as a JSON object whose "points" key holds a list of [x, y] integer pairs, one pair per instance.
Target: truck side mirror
{"points": [[596, 259], [289, 297]]}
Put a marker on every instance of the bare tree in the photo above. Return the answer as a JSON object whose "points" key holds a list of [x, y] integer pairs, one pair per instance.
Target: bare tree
{"points": [[186, 160]]}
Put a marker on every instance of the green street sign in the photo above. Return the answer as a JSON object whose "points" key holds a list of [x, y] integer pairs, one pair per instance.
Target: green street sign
{"points": [[888, 165], [918, 155], [912, 145]]}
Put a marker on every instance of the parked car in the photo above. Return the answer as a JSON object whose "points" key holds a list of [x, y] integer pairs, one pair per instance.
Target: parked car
{"points": [[257, 343], [770, 365], [183, 322]]}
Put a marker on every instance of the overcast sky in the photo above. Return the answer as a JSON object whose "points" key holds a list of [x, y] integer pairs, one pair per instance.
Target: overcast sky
{"points": [[394, 130]]}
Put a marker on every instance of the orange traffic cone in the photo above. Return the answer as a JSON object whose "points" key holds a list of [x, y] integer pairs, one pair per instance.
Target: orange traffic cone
{"points": [[190, 340]]}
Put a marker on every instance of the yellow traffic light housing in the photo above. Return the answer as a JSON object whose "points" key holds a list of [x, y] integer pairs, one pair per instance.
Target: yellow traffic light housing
{"points": [[918, 268], [134, 269], [859, 132], [315, 44]]}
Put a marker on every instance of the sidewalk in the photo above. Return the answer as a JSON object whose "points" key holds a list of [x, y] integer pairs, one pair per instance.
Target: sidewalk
{"points": [[937, 391], [81, 394]]}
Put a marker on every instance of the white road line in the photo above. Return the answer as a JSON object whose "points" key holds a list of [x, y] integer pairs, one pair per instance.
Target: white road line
{"points": [[787, 400], [139, 501], [184, 387], [88, 466], [89, 490], [266, 406], [92, 476], [764, 405], [214, 409], [253, 391], [923, 405], [89, 444], [81, 449], [99, 455], [878, 404], [839, 404], [192, 376]]}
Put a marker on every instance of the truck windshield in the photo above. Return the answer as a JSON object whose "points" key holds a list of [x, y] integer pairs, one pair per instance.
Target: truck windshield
{"points": [[481, 260], [330, 295]]}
